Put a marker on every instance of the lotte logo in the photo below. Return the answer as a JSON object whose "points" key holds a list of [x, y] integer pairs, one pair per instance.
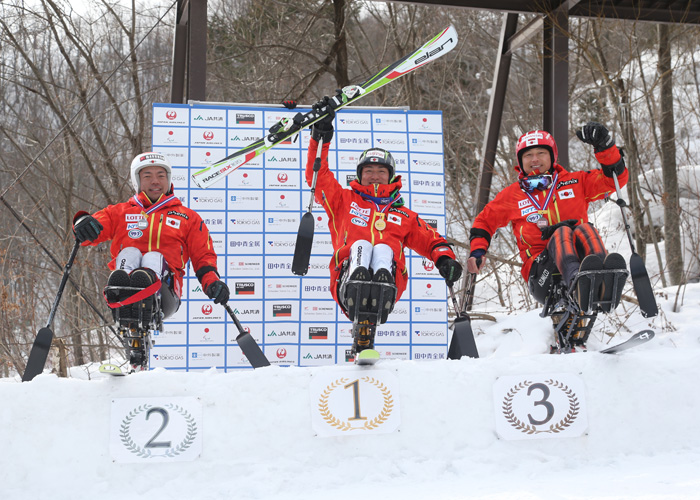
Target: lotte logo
{"points": [[207, 309], [282, 177], [281, 353], [208, 135], [170, 115]]}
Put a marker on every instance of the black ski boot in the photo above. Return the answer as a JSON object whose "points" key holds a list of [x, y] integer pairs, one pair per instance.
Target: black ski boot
{"points": [[118, 279], [383, 294], [615, 266], [143, 310], [357, 292]]}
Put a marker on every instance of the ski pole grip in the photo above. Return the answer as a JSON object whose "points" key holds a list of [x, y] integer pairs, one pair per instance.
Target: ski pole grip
{"points": [[317, 161]]}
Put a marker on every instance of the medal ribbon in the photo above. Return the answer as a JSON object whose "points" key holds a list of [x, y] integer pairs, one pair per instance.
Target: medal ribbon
{"points": [[379, 201], [547, 199], [155, 206]]}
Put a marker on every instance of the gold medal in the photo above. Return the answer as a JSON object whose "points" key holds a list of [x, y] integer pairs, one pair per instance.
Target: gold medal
{"points": [[380, 224]]}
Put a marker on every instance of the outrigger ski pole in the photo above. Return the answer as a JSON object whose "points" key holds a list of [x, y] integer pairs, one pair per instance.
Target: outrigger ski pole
{"points": [[42, 343], [247, 343], [305, 236], [640, 277], [462, 343]]}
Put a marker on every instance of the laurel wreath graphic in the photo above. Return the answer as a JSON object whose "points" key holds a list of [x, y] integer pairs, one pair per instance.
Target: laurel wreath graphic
{"points": [[571, 415], [343, 425], [128, 442]]}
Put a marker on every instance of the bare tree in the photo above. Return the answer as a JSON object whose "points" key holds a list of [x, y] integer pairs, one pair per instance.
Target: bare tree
{"points": [[668, 160]]}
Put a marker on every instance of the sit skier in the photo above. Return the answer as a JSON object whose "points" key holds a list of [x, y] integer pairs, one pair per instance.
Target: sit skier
{"points": [[548, 208], [153, 237], [370, 230]]}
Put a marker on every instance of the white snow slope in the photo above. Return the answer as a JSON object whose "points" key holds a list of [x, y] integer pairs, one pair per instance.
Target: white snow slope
{"points": [[642, 441]]}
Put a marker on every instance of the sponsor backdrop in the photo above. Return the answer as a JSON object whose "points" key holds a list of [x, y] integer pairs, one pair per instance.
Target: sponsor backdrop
{"points": [[253, 216]]}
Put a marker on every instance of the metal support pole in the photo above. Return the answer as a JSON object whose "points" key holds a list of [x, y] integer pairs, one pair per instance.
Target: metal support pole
{"points": [[197, 53], [493, 121], [556, 81]]}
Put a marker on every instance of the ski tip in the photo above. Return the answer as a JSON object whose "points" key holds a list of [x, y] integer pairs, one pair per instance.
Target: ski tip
{"points": [[646, 334], [367, 357], [110, 369]]}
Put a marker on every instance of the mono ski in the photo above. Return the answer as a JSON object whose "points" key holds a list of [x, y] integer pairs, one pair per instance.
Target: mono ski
{"points": [[111, 369], [367, 357], [637, 339], [287, 127]]}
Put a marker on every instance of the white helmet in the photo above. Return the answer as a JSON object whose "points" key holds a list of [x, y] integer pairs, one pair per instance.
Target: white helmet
{"points": [[149, 159]]}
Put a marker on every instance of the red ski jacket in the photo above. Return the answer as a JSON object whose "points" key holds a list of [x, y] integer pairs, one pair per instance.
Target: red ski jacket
{"points": [[177, 232], [352, 215], [573, 192]]}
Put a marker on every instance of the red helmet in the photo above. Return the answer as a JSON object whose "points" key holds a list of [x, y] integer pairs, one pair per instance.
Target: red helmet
{"points": [[536, 138]]}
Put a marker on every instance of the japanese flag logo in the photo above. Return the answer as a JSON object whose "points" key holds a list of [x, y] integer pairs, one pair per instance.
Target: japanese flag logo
{"points": [[175, 223], [565, 193], [394, 219]]}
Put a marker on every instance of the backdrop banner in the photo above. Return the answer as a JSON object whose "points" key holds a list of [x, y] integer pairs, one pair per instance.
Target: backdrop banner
{"points": [[253, 216]]}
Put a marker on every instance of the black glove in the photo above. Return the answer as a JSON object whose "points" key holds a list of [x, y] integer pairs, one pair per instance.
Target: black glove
{"points": [[618, 168], [548, 231], [597, 135], [289, 104], [322, 130], [449, 269], [218, 292], [87, 228]]}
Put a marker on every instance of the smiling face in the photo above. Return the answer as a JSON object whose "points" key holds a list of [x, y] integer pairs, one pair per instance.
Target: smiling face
{"points": [[536, 161], [154, 182], [374, 174]]}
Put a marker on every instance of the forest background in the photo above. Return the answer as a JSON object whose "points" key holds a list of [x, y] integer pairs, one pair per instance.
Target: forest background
{"points": [[77, 85]]}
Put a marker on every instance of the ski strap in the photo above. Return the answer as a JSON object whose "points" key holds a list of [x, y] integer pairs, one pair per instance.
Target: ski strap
{"points": [[138, 296]]}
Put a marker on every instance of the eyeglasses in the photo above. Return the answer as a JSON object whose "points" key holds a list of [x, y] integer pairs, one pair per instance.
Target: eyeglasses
{"points": [[541, 182]]}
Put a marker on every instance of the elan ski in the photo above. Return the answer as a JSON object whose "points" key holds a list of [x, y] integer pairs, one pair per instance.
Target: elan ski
{"points": [[638, 338], [289, 127]]}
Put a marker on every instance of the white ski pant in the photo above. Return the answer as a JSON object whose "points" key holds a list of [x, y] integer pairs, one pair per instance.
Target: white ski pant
{"points": [[130, 258], [376, 257]]}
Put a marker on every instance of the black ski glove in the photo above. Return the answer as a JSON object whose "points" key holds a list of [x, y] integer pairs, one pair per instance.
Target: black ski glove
{"points": [[596, 135], [449, 269], [289, 104], [87, 228], [218, 292], [322, 130], [548, 231]]}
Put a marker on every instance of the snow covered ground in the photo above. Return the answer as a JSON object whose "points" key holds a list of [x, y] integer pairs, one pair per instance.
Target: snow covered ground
{"points": [[642, 439], [259, 441]]}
